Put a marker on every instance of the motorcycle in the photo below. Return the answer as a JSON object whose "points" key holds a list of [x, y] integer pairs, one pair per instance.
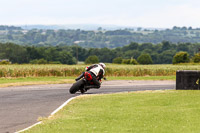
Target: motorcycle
{"points": [[83, 84]]}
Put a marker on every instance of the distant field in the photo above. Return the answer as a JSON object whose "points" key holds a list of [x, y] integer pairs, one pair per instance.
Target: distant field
{"points": [[75, 70]]}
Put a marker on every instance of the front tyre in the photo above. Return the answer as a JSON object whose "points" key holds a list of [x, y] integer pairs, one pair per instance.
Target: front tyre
{"points": [[76, 86]]}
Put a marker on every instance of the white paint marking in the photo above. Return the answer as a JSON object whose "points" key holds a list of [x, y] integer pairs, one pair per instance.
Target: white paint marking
{"points": [[59, 108], [28, 127], [64, 104]]}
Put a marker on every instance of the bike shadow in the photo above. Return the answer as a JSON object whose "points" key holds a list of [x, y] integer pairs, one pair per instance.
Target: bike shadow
{"points": [[86, 93]]}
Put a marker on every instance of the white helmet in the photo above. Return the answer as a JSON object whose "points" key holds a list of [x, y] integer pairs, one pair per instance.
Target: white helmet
{"points": [[102, 65]]}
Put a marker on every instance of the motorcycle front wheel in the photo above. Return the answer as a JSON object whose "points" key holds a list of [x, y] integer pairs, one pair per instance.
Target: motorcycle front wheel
{"points": [[77, 86]]}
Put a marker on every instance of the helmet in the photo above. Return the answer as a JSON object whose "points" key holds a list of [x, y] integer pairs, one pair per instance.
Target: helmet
{"points": [[102, 65]]}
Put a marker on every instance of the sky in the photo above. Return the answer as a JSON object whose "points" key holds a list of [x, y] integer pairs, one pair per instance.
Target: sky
{"points": [[134, 13]]}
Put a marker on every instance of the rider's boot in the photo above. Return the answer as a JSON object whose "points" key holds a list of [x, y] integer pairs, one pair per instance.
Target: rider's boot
{"points": [[80, 76], [83, 90]]}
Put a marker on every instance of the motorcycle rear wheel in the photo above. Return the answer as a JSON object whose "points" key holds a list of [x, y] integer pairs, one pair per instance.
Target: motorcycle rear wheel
{"points": [[77, 86]]}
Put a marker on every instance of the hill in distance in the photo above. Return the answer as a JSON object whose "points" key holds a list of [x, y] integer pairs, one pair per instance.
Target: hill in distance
{"points": [[90, 27]]}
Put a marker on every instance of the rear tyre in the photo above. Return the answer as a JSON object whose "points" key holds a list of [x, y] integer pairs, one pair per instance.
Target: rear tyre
{"points": [[76, 86]]}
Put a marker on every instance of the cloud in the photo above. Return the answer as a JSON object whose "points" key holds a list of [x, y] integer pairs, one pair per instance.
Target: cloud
{"points": [[145, 13], [182, 15]]}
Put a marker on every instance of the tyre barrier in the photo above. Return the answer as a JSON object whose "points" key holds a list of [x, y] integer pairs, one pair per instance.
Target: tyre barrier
{"points": [[187, 80]]}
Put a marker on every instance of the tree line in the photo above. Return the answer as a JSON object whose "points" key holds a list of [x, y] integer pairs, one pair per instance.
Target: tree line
{"points": [[97, 39], [161, 53]]}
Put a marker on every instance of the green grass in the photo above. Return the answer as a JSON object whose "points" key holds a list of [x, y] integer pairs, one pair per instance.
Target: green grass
{"points": [[143, 78], [138, 112], [31, 79], [4, 82]]}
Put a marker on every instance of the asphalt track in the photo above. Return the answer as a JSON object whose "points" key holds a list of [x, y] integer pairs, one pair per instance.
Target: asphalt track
{"points": [[21, 106]]}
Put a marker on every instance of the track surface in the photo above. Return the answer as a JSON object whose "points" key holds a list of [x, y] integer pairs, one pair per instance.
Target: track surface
{"points": [[21, 106]]}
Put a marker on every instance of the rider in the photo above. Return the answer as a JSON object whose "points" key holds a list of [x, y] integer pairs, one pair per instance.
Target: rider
{"points": [[97, 72]]}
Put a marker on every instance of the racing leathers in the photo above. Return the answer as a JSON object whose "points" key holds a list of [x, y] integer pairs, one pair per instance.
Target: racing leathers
{"points": [[97, 72]]}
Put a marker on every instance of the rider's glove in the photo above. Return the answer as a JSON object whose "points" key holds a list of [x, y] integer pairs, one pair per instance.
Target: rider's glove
{"points": [[86, 68]]}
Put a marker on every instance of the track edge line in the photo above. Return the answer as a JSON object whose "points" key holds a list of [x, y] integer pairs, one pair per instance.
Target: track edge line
{"points": [[55, 111]]}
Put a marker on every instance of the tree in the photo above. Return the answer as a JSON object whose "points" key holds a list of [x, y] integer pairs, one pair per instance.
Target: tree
{"points": [[92, 59], [167, 56], [182, 47], [106, 55], [139, 29], [129, 61], [133, 61], [126, 61], [144, 59], [165, 45], [145, 46], [175, 28], [117, 60], [51, 54], [133, 45], [155, 58], [15, 53], [66, 58], [196, 58], [181, 57], [33, 53], [131, 53], [39, 61], [4, 62]]}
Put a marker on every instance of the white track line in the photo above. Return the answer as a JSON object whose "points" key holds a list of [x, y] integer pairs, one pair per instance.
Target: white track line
{"points": [[64, 104], [28, 127], [59, 108]]}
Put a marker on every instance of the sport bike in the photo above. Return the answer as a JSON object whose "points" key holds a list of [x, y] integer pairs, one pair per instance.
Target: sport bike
{"points": [[84, 84]]}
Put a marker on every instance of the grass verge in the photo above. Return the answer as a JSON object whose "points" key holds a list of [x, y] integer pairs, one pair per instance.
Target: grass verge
{"points": [[168, 111], [4, 82], [143, 78]]}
